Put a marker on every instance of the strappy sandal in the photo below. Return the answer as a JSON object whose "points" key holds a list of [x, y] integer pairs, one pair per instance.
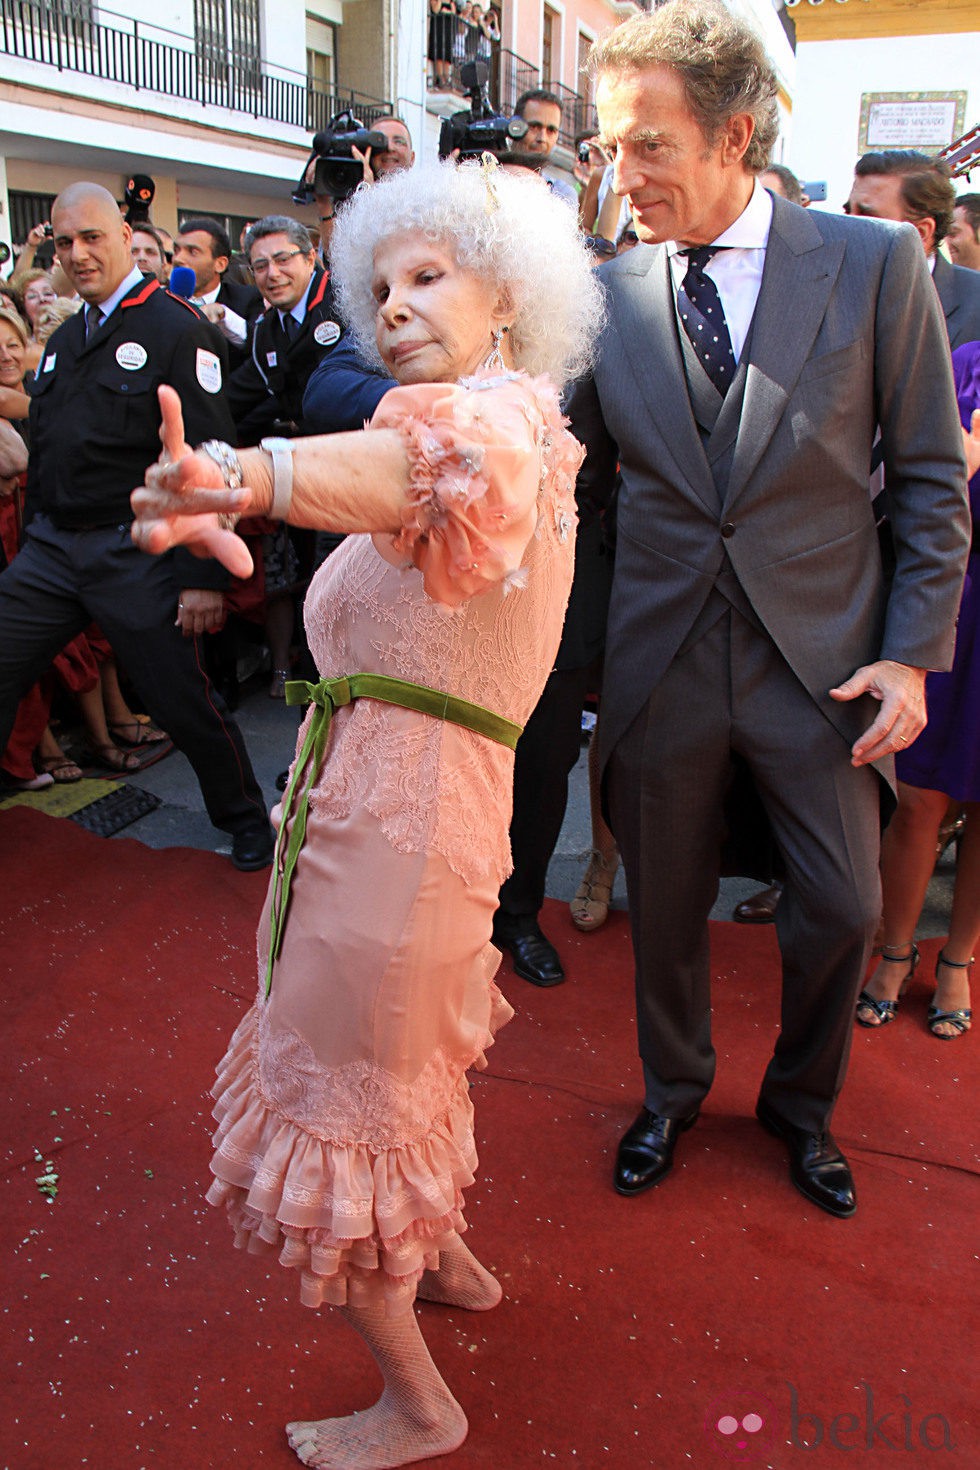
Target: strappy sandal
{"points": [[277, 688], [590, 906], [886, 1010], [136, 732], [960, 1020], [63, 772], [115, 759]]}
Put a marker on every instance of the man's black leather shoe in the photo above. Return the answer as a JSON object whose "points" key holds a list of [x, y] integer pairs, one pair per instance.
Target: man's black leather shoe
{"points": [[760, 908], [646, 1153], [253, 848], [535, 957], [816, 1165]]}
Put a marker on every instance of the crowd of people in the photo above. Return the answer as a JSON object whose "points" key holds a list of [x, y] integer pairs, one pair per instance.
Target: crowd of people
{"points": [[782, 622], [459, 31]]}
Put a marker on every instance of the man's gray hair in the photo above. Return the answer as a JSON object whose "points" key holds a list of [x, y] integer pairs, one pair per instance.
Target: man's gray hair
{"points": [[720, 60], [509, 229], [278, 224]]}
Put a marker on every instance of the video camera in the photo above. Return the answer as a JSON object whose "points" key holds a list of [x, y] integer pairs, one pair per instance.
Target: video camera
{"points": [[337, 172], [477, 129]]}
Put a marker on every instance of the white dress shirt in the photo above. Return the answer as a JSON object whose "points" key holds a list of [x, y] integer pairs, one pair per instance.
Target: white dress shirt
{"points": [[231, 325], [737, 270], [298, 312], [107, 307]]}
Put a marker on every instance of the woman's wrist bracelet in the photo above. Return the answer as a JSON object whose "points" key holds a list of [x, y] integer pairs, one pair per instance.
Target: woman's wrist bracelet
{"points": [[231, 472]]}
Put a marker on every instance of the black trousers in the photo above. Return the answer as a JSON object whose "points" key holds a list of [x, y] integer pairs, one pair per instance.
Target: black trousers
{"points": [[666, 780], [60, 582], [545, 755]]}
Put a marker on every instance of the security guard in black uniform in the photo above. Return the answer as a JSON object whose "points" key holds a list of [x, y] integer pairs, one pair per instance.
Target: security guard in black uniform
{"points": [[95, 425], [299, 327]]}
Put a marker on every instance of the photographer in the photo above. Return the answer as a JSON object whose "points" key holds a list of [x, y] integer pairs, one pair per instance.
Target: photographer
{"points": [[376, 161], [37, 235], [541, 110]]}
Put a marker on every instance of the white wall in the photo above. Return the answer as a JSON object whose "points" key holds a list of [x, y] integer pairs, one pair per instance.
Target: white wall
{"points": [[831, 76]]}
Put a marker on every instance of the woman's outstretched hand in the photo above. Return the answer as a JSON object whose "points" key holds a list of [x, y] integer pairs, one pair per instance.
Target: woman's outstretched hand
{"points": [[183, 498]]}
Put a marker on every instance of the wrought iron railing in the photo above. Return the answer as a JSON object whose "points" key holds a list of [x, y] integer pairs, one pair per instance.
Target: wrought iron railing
{"points": [[148, 58]]}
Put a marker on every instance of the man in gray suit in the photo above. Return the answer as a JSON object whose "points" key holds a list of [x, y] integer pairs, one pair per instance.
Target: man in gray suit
{"points": [[750, 351], [901, 184]]}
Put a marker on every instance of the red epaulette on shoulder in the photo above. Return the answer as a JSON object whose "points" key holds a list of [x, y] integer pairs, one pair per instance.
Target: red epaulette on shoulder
{"points": [[319, 294], [147, 291], [184, 302]]}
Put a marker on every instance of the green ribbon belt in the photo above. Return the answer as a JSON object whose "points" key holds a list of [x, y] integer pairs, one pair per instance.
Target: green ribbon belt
{"points": [[328, 696]]}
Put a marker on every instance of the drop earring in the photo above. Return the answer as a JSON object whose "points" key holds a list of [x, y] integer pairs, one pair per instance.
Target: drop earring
{"points": [[495, 362]]}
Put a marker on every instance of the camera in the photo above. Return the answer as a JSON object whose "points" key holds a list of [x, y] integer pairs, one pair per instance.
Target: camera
{"points": [[48, 232], [584, 152], [478, 129], [335, 169]]}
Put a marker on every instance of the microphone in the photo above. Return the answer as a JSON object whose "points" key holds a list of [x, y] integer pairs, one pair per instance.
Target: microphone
{"points": [[183, 281]]}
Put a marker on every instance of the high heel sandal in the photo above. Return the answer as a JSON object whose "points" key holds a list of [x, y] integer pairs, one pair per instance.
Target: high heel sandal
{"points": [[960, 1020], [887, 1010], [590, 906], [277, 686]]}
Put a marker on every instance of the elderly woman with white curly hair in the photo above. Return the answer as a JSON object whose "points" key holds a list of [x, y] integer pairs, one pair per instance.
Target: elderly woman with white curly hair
{"points": [[345, 1135]]}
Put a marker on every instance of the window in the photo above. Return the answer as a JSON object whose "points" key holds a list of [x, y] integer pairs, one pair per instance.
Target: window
{"points": [[226, 35], [583, 80], [321, 71], [550, 32], [26, 211]]}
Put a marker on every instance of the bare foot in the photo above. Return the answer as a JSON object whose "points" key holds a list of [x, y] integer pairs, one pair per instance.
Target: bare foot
{"points": [[380, 1438], [460, 1281]]}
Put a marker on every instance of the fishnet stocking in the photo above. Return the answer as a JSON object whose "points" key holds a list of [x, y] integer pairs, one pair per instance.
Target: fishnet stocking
{"points": [[460, 1281], [416, 1417]]}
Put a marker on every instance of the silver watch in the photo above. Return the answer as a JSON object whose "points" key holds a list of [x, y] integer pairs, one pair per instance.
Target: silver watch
{"points": [[281, 451]]}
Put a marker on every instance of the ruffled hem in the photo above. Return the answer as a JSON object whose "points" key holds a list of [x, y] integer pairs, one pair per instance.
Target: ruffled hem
{"points": [[340, 1213]]}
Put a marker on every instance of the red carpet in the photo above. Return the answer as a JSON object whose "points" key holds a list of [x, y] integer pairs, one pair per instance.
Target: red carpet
{"points": [[133, 1335]]}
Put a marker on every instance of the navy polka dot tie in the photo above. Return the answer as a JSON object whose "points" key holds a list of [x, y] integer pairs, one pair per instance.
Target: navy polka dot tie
{"points": [[703, 318]]}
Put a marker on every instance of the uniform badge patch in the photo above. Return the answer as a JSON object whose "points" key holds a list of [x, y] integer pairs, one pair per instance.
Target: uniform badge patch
{"points": [[270, 359], [131, 356], [49, 362], [208, 371], [326, 334]]}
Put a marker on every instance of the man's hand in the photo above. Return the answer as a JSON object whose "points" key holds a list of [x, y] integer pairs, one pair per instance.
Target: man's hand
{"points": [[971, 444], [364, 159], [901, 690], [183, 497], [214, 311], [200, 610]]}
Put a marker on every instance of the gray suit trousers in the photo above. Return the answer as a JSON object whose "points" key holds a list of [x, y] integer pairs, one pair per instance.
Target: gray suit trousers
{"points": [[732, 692]]}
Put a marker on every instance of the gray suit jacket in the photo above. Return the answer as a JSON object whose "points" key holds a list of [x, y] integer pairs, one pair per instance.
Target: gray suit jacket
{"points": [[847, 334], [959, 297]]}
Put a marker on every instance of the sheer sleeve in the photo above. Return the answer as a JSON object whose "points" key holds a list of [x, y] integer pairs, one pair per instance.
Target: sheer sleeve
{"points": [[475, 451]]}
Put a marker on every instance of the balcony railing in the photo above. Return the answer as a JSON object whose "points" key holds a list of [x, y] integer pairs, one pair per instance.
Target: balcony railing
{"points": [[150, 59]]}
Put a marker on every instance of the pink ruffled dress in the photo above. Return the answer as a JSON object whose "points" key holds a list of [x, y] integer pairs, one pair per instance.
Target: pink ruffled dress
{"points": [[345, 1135]]}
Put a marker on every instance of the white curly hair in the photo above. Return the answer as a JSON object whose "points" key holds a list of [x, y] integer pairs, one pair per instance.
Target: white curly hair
{"points": [[506, 227]]}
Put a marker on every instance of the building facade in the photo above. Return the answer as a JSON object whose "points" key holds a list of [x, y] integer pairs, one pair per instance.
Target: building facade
{"points": [[217, 100]]}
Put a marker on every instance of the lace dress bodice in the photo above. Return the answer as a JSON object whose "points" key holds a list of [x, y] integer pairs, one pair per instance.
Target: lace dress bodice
{"points": [[492, 506]]}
